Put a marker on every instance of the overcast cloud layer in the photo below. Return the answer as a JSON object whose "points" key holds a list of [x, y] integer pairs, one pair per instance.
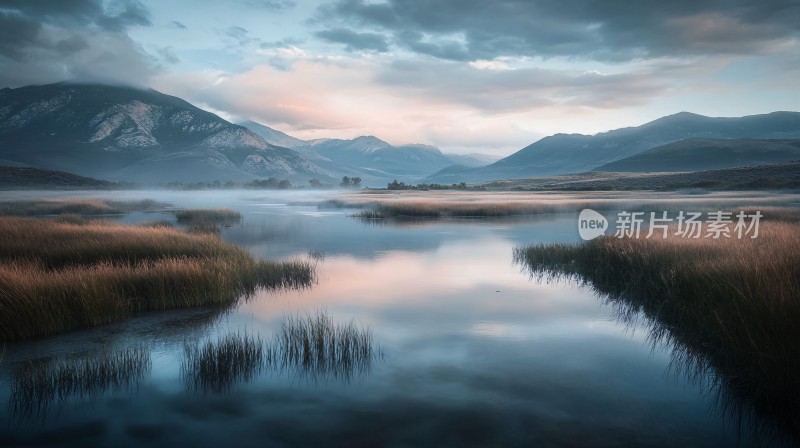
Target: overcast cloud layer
{"points": [[465, 75]]}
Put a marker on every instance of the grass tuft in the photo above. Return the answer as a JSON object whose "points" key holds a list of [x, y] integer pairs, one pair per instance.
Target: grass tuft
{"points": [[217, 365]]}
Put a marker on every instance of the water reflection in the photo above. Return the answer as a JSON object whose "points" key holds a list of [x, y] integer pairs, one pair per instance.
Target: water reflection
{"points": [[757, 394], [40, 384]]}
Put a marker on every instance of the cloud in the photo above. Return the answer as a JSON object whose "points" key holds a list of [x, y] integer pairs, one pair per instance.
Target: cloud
{"points": [[83, 40], [178, 25], [502, 91], [456, 106], [355, 41], [276, 5], [465, 30]]}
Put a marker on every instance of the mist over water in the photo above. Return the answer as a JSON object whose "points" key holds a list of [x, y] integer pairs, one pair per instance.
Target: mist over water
{"points": [[465, 348]]}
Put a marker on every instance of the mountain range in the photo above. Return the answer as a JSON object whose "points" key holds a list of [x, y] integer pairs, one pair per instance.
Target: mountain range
{"points": [[124, 133], [576, 153], [369, 157], [130, 134]]}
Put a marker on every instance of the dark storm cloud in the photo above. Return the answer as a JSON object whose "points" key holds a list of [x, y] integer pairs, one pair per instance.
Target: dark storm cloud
{"points": [[16, 34], [118, 16], [603, 30], [356, 41], [53, 40]]}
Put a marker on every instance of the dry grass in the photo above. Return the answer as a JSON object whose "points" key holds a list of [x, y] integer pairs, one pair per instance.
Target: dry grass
{"points": [[82, 207], [377, 205], [57, 276], [729, 308]]}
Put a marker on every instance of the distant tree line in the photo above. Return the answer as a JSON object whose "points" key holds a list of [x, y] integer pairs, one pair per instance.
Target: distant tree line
{"points": [[350, 182], [395, 185], [270, 183]]}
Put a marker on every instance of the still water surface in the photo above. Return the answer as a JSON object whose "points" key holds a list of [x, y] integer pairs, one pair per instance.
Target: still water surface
{"points": [[470, 350]]}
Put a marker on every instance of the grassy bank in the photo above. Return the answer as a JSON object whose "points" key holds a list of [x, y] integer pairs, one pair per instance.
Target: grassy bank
{"points": [[82, 207], [729, 308], [56, 275], [413, 205]]}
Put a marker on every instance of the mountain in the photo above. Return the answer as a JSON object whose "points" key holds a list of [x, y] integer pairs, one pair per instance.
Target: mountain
{"points": [[273, 136], [707, 154], [757, 177], [125, 133], [472, 160], [574, 153], [370, 158]]}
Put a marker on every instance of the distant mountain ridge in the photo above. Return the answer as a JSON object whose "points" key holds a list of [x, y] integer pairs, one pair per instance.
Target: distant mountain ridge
{"points": [[707, 154], [133, 134], [574, 153], [369, 157]]}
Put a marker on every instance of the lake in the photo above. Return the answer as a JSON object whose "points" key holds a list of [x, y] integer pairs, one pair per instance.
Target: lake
{"points": [[468, 350]]}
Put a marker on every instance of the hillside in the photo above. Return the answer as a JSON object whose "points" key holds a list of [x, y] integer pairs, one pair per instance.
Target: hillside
{"points": [[708, 154], [575, 153], [772, 176], [25, 178], [125, 133]]}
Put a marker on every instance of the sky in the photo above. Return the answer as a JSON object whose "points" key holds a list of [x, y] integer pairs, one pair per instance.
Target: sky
{"points": [[464, 75]]}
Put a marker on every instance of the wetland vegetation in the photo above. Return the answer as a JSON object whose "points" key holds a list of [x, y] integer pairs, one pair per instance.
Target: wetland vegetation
{"points": [[59, 275], [728, 308]]}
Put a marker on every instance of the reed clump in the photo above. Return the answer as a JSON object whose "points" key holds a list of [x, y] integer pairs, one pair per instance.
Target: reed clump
{"points": [[307, 346], [729, 307], [218, 365], [207, 215], [314, 345], [57, 276]]}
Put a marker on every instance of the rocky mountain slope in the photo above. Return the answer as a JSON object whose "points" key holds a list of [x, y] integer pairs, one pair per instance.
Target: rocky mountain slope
{"points": [[124, 133]]}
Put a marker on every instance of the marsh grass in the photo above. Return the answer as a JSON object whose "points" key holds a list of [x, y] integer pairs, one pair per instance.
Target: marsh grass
{"points": [[215, 366], [39, 385], [729, 308], [309, 347], [58, 276], [207, 220], [314, 346], [79, 207], [491, 205], [208, 216]]}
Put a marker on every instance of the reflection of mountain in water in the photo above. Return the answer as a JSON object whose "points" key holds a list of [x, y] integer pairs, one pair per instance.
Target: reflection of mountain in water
{"points": [[756, 391]]}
